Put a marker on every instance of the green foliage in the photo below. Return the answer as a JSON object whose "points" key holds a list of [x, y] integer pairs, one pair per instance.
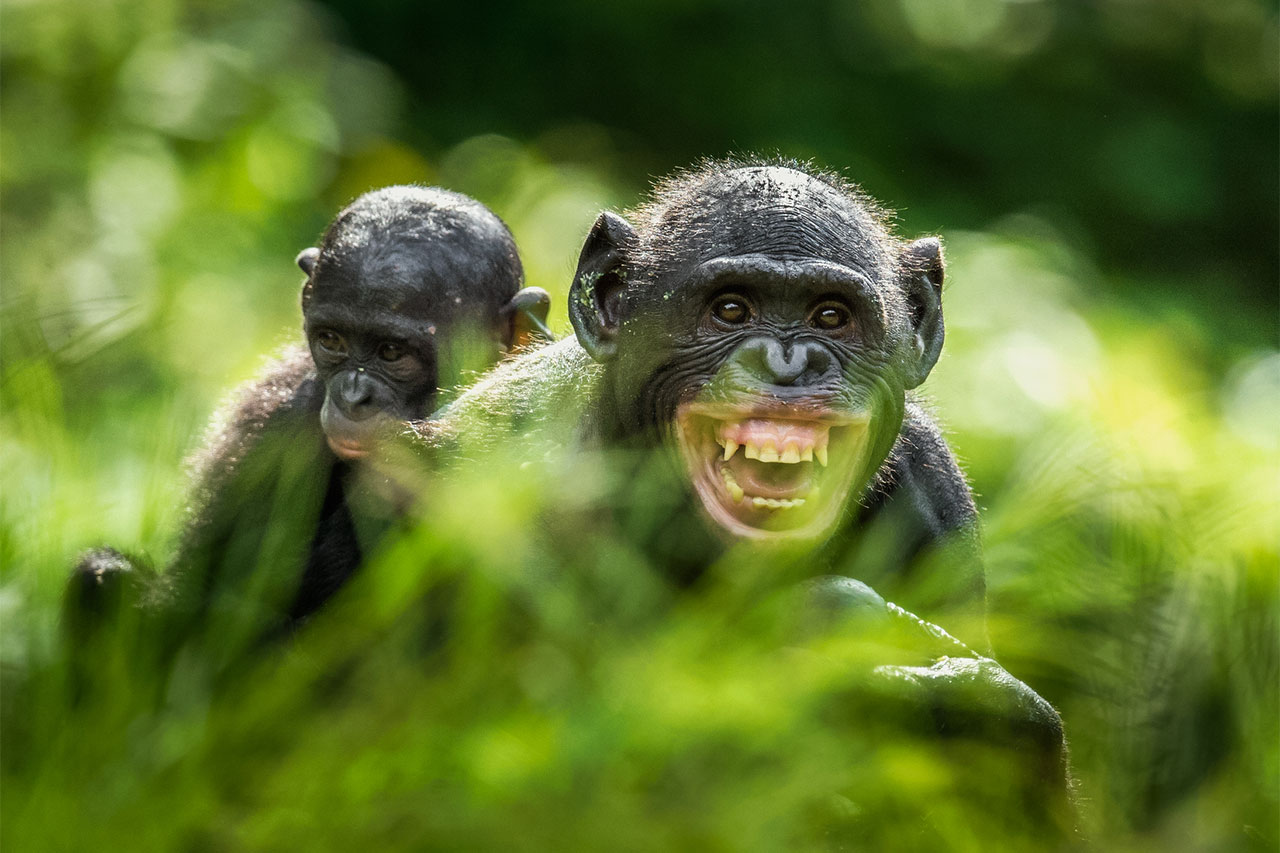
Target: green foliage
{"points": [[1146, 129], [163, 162]]}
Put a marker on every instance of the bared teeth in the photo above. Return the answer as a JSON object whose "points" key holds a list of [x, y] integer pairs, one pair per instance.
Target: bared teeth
{"points": [[777, 503], [731, 485], [774, 441], [739, 496]]}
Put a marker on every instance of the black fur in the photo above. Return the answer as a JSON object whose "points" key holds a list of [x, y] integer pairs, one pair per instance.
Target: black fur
{"points": [[410, 289], [654, 340]]}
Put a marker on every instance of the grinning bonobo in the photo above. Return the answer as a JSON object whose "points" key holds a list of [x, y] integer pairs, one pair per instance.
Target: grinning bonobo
{"points": [[759, 326], [763, 323], [410, 288]]}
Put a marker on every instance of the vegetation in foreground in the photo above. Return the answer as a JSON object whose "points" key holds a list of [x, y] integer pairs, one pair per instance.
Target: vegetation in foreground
{"points": [[1120, 436]]}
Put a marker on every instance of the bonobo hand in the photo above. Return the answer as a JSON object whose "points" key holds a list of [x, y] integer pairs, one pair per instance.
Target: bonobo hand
{"points": [[103, 584], [832, 603], [938, 685]]}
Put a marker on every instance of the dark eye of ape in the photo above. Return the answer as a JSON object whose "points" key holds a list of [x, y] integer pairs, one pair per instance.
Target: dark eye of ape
{"points": [[390, 352], [831, 316], [331, 341], [731, 310]]}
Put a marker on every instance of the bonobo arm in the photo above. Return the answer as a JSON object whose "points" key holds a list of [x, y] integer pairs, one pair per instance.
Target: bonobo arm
{"points": [[251, 543], [547, 396], [108, 600], [285, 395], [260, 487], [937, 686], [926, 472], [922, 505]]}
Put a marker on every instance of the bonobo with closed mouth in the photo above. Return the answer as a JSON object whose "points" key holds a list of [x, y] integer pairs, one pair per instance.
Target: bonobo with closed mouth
{"points": [[410, 288]]}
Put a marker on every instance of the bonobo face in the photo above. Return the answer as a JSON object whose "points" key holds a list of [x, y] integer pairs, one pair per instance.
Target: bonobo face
{"points": [[378, 366], [774, 438], [411, 287], [767, 326]]}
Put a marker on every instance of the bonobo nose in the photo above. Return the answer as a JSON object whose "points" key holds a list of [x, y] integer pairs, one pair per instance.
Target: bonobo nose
{"points": [[355, 395], [775, 362]]}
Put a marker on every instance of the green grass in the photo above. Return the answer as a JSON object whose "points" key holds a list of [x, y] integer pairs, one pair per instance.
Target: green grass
{"points": [[1120, 436], [1129, 515]]}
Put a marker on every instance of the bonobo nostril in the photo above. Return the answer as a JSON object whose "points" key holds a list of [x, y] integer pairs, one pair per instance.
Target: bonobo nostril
{"points": [[818, 362], [773, 362], [785, 361], [356, 395]]}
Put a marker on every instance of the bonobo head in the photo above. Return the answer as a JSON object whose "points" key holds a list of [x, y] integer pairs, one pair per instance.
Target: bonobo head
{"points": [[409, 287], [763, 319]]}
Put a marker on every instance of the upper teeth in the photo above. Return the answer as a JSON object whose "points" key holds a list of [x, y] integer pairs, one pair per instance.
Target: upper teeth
{"points": [[764, 452], [791, 442]]}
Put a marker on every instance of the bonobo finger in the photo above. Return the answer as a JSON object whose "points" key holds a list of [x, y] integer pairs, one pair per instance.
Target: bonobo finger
{"points": [[306, 260], [835, 603], [975, 695], [975, 700], [928, 637], [103, 583], [832, 600]]}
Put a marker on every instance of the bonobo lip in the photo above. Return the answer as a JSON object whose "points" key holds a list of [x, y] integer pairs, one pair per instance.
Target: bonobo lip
{"points": [[348, 450], [772, 471], [352, 440]]}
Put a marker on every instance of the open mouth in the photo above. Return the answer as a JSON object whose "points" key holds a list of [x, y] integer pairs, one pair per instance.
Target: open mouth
{"points": [[771, 472]]}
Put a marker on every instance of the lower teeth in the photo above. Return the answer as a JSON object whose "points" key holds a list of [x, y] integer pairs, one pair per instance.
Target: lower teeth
{"points": [[735, 491], [776, 503], [738, 495]]}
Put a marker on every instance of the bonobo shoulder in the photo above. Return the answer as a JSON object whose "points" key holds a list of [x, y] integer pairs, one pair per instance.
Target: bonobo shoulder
{"points": [[284, 395], [923, 465], [546, 394]]}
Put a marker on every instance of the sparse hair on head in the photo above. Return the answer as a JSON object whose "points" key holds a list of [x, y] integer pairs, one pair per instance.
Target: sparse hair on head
{"points": [[383, 222], [679, 203]]}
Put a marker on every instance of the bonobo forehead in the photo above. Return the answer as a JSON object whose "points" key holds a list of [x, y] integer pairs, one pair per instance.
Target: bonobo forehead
{"points": [[777, 211], [426, 253]]}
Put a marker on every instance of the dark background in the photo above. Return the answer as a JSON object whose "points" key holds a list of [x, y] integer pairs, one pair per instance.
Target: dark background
{"points": [[1146, 130]]}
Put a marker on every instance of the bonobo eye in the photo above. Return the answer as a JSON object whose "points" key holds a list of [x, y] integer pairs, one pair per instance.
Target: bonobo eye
{"points": [[390, 352], [831, 316], [331, 342], [730, 309]]}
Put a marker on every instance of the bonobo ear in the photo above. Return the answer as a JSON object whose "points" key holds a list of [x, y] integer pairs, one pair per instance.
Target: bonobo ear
{"points": [[922, 281], [306, 262], [526, 316], [595, 297], [307, 258]]}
